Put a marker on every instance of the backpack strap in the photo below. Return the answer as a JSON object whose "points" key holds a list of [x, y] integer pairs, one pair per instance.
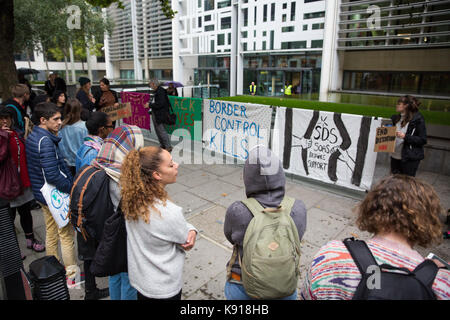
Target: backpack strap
{"points": [[361, 254], [80, 205], [256, 208], [426, 273], [74, 186]]}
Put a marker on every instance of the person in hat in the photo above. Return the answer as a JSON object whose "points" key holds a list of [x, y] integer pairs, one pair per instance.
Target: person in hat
{"points": [[84, 94]]}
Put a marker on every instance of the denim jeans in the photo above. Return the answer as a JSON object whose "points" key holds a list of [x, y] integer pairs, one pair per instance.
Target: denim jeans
{"points": [[120, 287], [234, 291]]}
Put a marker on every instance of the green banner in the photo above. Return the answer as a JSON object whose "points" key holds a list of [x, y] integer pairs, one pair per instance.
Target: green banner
{"points": [[188, 111]]}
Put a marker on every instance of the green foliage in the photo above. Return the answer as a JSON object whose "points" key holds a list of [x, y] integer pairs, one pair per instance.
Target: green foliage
{"points": [[434, 117], [43, 25]]}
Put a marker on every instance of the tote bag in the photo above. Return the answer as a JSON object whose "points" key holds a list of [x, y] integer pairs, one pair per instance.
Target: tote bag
{"points": [[57, 201]]}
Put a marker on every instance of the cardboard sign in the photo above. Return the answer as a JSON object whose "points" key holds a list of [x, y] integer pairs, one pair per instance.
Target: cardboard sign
{"points": [[385, 139], [120, 112]]}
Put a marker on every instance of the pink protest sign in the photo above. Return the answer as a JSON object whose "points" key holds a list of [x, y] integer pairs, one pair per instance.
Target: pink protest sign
{"points": [[140, 116]]}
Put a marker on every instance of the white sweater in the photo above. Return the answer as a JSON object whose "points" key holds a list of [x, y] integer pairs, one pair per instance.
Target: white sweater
{"points": [[155, 259]]}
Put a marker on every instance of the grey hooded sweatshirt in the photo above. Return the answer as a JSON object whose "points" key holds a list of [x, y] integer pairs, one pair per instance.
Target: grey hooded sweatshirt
{"points": [[265, 181]]}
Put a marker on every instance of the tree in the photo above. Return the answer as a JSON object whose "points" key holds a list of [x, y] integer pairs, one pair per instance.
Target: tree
{"points": [[36, 26]]}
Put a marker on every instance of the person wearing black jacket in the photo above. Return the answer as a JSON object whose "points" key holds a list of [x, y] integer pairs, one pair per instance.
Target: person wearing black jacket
{"points": [[411, 136], [54, 83], [160, 111]]}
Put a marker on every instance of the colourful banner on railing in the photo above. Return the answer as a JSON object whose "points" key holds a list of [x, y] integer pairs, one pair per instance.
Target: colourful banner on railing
{"points": [[140, 116], [188, 111]]}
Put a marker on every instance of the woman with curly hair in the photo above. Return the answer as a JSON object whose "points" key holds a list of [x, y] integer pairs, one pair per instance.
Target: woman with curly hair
{"points": [[157, 232], [411, 136], [401, 212], [110, 158]]}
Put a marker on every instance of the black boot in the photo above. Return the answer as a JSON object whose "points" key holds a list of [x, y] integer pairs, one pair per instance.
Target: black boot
{"points": [[97, 294]]}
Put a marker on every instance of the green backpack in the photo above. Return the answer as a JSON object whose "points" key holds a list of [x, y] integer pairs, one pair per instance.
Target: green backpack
{"points": [[271, 260]]}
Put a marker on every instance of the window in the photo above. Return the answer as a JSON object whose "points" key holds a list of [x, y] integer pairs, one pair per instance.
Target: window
{"points": [[209, 5], [272, 36], [212, 45], [229, 38], [245, 11], [209, 28], [244, 34], [265, 13], [264, 33], [199, 22], [293, 45], [287, 29], [305, 27], [220, 39], [308, 1], [225, 23], [313, 15], [284, 18], [224, 4], [317, 26], [292, 11], [316, 43], [255, 16], [208, 17], [284, 5], [245, 46], [264, 45], [272, 12]]}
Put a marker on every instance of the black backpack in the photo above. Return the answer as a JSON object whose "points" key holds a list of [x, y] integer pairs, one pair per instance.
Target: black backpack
{"points": [[393, 283], [90, 202]]}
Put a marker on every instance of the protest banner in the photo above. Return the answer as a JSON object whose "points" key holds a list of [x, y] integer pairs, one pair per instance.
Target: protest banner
{"points": [[234, 128], [188, 111], [385, 139], [139, 114], [331, 147]]}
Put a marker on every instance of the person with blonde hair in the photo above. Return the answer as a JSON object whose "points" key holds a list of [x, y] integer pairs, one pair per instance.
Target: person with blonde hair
{"points": [[401, 212], [157, 232]]}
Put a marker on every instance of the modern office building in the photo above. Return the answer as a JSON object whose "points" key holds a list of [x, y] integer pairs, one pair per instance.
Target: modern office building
{"points": [[140, 46], [232, 43], [387, 47]]}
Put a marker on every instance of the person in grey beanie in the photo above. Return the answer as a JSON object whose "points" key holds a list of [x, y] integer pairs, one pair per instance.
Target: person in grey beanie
{"points": [[265, 181]]}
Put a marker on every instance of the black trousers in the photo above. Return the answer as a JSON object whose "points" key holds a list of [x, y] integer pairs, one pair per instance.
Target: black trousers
{"points": [[175, 297], [408, 168], [26, 219]]}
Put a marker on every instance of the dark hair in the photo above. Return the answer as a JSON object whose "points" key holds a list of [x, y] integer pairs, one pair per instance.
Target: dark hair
{"points": [[7, 113], [43, 109], [96, 120], [412, 106], [72, 112], [56, 95], [105, 81]]}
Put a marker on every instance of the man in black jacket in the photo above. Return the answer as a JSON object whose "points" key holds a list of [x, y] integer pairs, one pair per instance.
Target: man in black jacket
{"points": [[159, 111]]}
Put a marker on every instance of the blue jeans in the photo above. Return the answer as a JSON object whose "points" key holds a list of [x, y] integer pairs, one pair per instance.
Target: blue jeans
{"points": [[120, 288], [234, 291]]}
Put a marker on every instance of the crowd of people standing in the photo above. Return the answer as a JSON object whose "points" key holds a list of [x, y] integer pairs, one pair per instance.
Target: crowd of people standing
{"points": [[71, 135]]}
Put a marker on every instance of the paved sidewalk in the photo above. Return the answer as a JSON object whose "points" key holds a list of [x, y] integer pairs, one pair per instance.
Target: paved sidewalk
{"points": [[205, 192]]}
